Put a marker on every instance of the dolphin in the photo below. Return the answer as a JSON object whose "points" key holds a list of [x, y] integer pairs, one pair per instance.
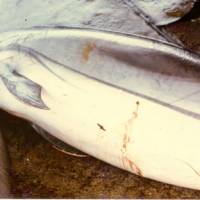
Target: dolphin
{"points": [[128, 100], [161, 12]]}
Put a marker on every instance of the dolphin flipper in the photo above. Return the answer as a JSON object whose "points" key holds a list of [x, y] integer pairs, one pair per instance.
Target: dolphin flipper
{"points": [[23, 88]]}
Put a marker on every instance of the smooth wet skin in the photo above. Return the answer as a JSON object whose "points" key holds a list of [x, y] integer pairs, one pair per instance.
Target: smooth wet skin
{"points": [[158, 71], [112, 105], [162, 12]]}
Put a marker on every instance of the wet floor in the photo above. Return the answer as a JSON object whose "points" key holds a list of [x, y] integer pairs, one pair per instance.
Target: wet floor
{"points": [[39, 170]]}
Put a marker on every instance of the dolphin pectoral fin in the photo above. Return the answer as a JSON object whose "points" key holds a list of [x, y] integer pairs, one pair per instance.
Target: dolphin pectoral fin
{"points": [[24, 89]]}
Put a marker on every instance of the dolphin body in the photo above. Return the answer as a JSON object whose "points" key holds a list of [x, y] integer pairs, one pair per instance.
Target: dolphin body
{"points": [[130, 101], [161, 12]]}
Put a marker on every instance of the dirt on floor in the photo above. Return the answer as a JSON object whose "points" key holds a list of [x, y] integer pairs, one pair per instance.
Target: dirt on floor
{"points": [[40, 171]]}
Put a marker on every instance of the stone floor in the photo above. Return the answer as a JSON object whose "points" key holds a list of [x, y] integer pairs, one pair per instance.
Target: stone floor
{"points": [[39, 170]]}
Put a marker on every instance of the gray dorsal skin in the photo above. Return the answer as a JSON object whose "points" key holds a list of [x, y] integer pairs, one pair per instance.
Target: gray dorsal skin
{"points": [[112, 15], [158, 13], [22, 88], [162, 12]]}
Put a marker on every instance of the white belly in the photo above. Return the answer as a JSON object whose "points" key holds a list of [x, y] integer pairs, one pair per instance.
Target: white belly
{"points": [[124, 129]]}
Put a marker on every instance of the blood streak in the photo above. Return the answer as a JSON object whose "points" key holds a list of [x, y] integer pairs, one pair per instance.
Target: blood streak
{"points": [[127, 140]]}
